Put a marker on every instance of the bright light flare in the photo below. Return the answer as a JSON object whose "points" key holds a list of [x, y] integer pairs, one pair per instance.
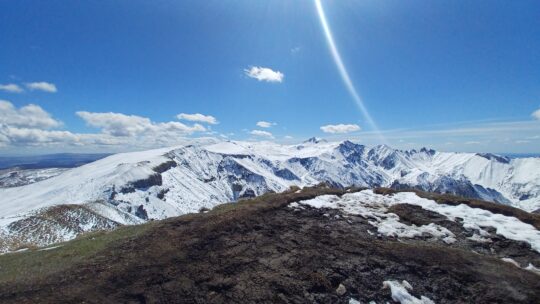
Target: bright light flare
{"points": [[343, 71]]}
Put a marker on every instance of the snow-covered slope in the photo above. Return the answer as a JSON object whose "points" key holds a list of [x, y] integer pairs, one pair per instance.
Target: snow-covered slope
{"points": [[15, 177], [155, 184]]}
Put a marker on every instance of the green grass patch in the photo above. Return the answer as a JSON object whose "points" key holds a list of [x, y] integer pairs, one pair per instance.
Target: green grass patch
{"points": [[40, 262]]}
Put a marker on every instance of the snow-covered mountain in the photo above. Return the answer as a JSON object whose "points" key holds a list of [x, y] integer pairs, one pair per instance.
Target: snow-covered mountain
{"points": [[15, 177], [131, 188]]}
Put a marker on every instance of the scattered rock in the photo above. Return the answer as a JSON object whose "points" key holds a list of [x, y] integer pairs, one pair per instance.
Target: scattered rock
{"points": [[341, 290]]}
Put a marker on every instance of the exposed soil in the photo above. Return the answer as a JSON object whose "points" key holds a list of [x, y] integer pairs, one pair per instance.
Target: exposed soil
{"points": [[261, 251]]}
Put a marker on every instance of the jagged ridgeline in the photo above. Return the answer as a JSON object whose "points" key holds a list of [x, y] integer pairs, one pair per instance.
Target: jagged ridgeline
{"points": [[132, 188]]}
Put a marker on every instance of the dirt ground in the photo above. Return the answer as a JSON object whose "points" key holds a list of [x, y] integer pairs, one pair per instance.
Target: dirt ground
{"points": [[262, 251]]}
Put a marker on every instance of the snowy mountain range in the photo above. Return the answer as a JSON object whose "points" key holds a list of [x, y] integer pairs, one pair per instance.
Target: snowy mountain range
{"points": [[131, 188]]}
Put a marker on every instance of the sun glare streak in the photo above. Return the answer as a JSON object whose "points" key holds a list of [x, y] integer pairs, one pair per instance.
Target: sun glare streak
{"points": [[343, 71]]}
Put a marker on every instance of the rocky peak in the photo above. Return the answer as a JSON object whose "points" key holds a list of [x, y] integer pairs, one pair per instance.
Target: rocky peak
{"points": [[315, 140]]}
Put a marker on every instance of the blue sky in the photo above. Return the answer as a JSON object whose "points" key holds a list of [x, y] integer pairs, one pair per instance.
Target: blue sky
{"points": [[110, 75]]}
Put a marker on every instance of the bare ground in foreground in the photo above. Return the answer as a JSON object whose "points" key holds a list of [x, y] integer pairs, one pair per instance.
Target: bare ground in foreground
{"points": [[259, 251]]}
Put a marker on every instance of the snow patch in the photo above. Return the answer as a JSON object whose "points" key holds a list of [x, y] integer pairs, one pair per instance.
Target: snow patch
{"points": [[532, 268], [476, 219], [375, 210], [511, 261], [50, 248], [373, 207], [400, 293], [479, 238]]}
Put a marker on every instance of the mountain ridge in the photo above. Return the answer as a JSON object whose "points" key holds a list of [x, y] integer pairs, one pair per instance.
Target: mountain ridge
{"points": [[161, 183]]}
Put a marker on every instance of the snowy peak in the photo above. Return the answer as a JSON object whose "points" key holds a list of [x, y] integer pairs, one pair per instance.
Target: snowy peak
{"points": [[384, 156], [427, 151], [350, 146]]}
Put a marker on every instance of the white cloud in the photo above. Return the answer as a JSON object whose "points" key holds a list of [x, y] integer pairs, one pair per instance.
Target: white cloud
{"points": [[198, 117], [176, 127], [31, 126], [261, 133], [264, 74], [288, 137], [340, 128], [33, 136], [265, 124], [536, 114], [29, 116], [11, 88], [42, 86], [116, 124], [121, 125]]}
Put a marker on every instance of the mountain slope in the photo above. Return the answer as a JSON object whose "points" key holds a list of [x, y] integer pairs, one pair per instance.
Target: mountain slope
{"points": [[15, 177], [316, 245], [161, 183]]}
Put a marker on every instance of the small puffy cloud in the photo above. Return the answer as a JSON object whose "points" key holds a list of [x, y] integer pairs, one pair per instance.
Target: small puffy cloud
{"points": [[536, 114], [261, 133], [264, 74], [41, 86], [288, 137], [122, 125], [29, 116], [296, 50], [265, 124], [340, 128], [11, 88], [198, 117]]}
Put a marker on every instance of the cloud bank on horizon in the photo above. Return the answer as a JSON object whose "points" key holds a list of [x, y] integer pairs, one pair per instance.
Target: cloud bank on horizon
{"points": [[30, 126]]}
